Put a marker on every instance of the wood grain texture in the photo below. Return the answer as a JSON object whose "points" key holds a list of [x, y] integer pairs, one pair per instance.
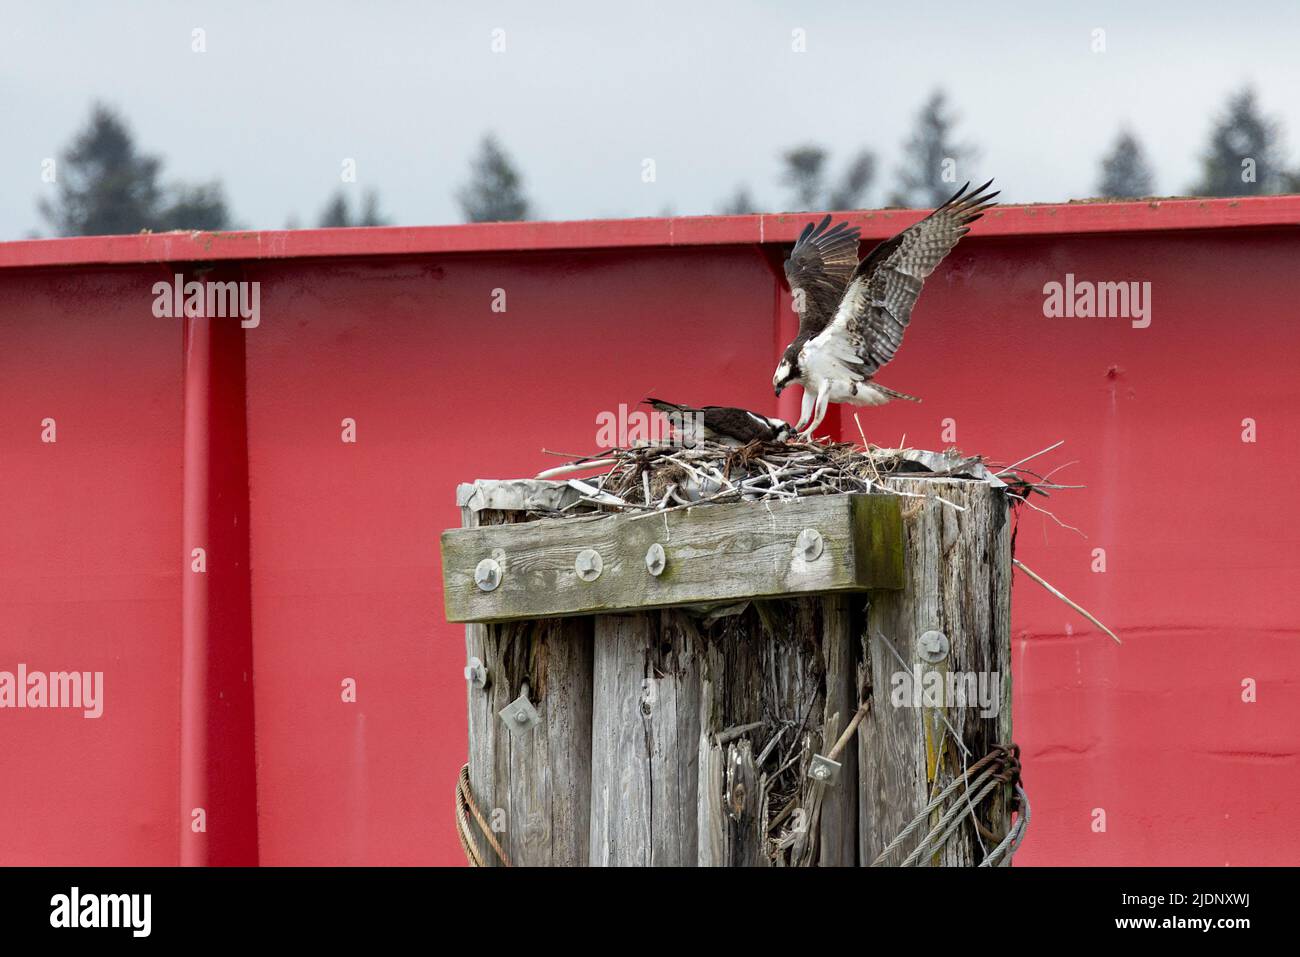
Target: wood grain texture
{"points": [[645, 734], [715, 553], [730, 807], [839, 811], [671, 737], [682, 711], [534, 784], [767, 667], [958, 583]]}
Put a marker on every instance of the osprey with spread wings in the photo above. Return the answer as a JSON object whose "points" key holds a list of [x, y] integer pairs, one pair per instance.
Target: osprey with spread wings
{"points": [[852, 314]]}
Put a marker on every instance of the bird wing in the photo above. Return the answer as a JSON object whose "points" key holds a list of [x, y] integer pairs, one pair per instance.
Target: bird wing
{"points": [[739, 424], [819, 269], [877, 305], [719, 421], [666, 407]]}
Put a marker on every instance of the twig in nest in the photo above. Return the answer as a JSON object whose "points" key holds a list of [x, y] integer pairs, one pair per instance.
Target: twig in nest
{"points": [[1034, 456], [574, 467], [1036, 508], [661, 478], [595, 494], [1058, 468], [862, 435]]}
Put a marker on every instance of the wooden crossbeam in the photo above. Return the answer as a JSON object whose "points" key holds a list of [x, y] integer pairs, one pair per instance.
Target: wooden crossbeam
{"points": [[713, 554]]}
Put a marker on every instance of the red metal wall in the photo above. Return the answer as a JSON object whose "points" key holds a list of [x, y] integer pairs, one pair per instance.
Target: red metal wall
{"points": [[90, 567], [339, 570]]}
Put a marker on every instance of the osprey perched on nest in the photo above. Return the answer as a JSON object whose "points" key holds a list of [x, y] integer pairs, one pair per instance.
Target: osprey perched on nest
{"points": [[852, 314], [723, 424]]}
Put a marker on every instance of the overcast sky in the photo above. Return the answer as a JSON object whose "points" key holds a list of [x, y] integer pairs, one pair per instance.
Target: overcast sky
{"points": [[585, 91]]}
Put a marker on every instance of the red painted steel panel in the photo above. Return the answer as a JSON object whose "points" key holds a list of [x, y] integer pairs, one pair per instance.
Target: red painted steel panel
{"points": [[218, 785], [394, 329], [1201, 554], [442, 389], [90, 565], [1043, 219]]}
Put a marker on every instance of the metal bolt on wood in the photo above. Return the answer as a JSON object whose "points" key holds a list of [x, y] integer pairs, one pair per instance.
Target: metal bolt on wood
{"points": [[655, 559], [520, 715], [862, 532], [933, 646], [588, 564], [476, 673], [824, 769], [487, 574], [626, 770], [810, 544]]}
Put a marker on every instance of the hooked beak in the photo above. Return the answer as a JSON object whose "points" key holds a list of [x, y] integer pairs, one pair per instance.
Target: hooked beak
{"points": [[777, 389]]}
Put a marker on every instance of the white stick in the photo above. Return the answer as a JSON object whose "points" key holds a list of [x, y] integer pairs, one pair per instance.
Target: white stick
{"points": [[1028, 457], [595, 494], [574, 467]]}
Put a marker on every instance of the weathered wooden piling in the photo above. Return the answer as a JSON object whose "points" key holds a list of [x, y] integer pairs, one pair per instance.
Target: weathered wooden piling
{"points": [[958, 583], [665, 688]]}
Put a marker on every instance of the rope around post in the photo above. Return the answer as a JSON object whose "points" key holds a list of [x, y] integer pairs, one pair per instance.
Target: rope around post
{"points": [[924, 813], [465, 802], [1000, 856], [940, 834], [1002, 765]]}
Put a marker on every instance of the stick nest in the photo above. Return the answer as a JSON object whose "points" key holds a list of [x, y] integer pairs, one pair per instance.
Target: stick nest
{"points": [[664, 477]]}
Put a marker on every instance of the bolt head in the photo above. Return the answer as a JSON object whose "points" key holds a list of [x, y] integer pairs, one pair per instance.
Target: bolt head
{"points": [[487, 574], [824, 770], [809, 544], [588, 564], [933, 646], [520, 715], [655, 559]]}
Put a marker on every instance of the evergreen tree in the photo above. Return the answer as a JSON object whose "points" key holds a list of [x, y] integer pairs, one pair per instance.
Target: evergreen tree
{"points": [[934, 164], [370, 215], [104, 185], [740, 204], [338, 212], [1125, 172], [804, 166], [107, 186], [196, 207], [853, 187], [495, 190], [1243, 156], [805, 174]]}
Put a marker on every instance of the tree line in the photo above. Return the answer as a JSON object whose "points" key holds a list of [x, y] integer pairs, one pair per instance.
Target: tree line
{"points": [[107, 185]]}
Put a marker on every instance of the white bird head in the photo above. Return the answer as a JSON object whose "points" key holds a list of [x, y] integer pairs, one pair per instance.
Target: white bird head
{"points": [[785, 373]]}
